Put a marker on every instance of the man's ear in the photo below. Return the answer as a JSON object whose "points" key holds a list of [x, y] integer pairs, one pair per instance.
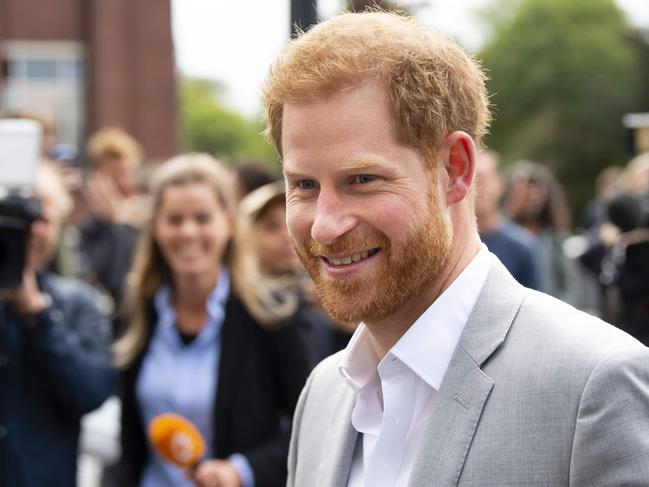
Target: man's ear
{"points": [[460, 165]]}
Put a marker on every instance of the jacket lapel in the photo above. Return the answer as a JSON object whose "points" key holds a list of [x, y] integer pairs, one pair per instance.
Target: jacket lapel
{"points": [[340, 441], [456, 410]]}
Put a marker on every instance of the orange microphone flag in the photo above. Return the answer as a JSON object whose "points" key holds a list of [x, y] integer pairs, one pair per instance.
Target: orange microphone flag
{"points": [[176, 439]]}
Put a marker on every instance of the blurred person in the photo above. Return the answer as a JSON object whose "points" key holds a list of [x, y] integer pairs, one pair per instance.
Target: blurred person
{"points": [[55, 361], [516, 247], [205, 339], [108, 234], [625, 265], [606, 186], [115, 158], [535, 200], [457, 374], [262, 226], [250, 175], [596, 243]]}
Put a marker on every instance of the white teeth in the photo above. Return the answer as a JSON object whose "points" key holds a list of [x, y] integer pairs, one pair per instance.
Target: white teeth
{"points": [[352, 258]]}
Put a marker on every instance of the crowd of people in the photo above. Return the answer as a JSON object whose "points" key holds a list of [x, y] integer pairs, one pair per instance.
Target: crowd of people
{"points": [[599, 267], [186, 295]]}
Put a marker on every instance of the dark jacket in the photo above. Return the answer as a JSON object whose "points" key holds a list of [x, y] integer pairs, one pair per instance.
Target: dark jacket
{"points": [[261, 373], [51, 375], [106, 252]]}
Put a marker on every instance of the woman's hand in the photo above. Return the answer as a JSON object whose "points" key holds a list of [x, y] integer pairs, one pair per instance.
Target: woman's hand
{"points": [[216, 473]]}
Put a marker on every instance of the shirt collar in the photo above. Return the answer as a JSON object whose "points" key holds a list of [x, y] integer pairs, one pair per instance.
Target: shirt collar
{"points": [[215, 304], [428, 345], [216, 299]]}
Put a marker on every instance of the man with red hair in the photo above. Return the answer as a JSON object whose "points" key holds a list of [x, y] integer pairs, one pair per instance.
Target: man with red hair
{"points": [[457, 375]]}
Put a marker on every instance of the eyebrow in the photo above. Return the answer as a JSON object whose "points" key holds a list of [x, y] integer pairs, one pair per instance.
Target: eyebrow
{"points": [[290, 174], [358, 164]]}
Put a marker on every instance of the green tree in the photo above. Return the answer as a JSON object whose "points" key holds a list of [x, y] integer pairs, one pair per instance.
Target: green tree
{"points": [[639, 39], [562, 75], [208, 126]]}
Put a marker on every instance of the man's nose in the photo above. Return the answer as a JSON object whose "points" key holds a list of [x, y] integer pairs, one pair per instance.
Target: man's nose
{"points": [[333, 218]]}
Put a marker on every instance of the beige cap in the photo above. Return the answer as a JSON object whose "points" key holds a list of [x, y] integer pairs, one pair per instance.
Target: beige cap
{"points": [[255, 201]]}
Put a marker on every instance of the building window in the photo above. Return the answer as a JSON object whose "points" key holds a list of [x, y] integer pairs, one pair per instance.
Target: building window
{"points": [[47, 79]]}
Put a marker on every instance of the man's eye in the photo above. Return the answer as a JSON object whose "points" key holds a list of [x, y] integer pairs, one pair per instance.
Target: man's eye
{"points": [[306, 184], [363, 179]]}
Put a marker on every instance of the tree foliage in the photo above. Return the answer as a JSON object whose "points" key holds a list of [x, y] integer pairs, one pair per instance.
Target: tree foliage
{"points": [[209, 126], [562, 75]]}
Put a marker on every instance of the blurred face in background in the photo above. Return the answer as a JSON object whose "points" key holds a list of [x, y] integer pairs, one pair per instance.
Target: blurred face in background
{"points": [[272, 241], [45, 231], [527, 199], [122, 171], [192, 230], [489, 186]]}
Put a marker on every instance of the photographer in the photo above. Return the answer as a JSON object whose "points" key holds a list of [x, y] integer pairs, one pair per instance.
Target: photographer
{"points": [[54, 357]]}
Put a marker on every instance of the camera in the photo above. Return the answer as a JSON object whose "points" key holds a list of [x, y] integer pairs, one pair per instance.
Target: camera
{"points": [[20, 148]]}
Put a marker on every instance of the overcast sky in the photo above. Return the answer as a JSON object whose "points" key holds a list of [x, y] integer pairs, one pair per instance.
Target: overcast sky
{"points": [[235, 41]]}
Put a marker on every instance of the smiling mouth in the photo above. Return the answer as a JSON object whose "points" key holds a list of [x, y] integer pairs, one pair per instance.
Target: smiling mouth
{"points": [[351, 259]]}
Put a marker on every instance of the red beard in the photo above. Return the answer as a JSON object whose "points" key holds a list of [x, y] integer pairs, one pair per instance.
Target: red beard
{"points": [[407, 266]]}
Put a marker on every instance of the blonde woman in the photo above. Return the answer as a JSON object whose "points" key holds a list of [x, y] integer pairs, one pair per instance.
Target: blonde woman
{"points": [[204, 341]]}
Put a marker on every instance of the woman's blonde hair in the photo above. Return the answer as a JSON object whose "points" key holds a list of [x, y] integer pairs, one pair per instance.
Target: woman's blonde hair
{"points": [[149, 270], [434, 87]]}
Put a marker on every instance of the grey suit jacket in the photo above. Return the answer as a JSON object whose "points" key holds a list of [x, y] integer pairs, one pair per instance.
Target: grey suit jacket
{"points": [[536, 394]]}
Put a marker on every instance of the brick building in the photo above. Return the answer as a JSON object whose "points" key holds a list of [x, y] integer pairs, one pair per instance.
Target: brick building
{"points": [[92, 63]]}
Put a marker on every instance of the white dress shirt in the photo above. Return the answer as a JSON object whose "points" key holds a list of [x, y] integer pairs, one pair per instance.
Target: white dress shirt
{"points": [[394, 395]]}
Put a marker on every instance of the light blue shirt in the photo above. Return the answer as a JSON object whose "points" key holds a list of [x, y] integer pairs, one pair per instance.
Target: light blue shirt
{"points": [[183, 379]]}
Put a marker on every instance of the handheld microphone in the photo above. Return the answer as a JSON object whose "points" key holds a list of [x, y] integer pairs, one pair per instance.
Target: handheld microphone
{"points": [[176, 439]]}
